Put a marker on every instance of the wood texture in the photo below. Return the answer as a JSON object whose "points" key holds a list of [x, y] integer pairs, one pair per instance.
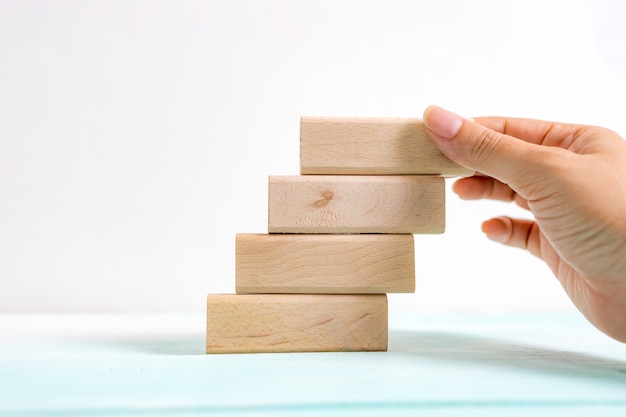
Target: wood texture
{"points": [[295, 323], [371, 146], [325, 264], [356, 204]]}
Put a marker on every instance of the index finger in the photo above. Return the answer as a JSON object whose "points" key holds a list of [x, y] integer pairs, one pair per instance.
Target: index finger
{"points": [[479, 186]]}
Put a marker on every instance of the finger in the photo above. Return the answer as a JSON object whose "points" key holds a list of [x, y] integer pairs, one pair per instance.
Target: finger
{"points": [[519, 233], [510, 160], [478, 187]]}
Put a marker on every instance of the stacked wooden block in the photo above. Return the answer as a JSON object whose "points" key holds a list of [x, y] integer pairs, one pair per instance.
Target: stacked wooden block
{"points": [[340, 238]]}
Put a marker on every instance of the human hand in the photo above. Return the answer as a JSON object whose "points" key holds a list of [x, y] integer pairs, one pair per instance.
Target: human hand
{"points": [[572, 178]]}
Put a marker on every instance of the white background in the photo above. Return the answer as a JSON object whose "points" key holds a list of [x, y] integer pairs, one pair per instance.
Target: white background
{"points": [[136, 137]]}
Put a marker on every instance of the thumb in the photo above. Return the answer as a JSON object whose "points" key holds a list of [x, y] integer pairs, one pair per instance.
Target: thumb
{"points": [[505, 158]]}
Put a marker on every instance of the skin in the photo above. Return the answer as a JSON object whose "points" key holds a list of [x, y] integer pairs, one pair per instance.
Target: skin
{"points": [[572, 178]]}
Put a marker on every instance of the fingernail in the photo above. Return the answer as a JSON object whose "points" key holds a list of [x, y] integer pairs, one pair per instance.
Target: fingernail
{"points": [[443, 123]]}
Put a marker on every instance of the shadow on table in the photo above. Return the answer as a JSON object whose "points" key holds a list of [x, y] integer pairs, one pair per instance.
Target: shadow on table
{"points": [[445, 346], [454, 347], [175, 344]]}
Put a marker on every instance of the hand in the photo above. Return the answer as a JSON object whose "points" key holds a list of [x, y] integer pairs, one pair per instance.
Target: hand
{"points": [[572, 178]]}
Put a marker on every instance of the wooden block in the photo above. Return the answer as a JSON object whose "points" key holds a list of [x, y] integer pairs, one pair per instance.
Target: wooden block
{"points": [[371, 146], [295, 323], [356, 204], [325, 264]]}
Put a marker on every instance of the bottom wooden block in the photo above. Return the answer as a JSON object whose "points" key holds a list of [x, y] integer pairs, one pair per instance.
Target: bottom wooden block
{"points": [[251, 323]]}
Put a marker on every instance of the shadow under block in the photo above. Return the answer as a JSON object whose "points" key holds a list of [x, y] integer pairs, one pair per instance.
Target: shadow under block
{"points": [[296, 323], [371, 146], [356, 204], [325, 263]]}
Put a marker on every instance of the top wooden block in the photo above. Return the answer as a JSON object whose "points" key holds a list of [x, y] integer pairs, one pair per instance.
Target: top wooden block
{"points": [[371, 146]]}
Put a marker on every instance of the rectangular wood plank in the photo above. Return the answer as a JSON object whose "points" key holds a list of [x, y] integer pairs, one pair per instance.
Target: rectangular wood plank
{"points": [[253, 323], [356, 204], [371, 146], [325, 263]]}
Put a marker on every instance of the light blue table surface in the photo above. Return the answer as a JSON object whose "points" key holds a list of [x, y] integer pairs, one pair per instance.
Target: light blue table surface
{"points": [[437, 365]]}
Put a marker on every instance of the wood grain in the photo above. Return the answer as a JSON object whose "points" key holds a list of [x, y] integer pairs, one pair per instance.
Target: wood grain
{"points": [[371, 146], [356, 204], [295, 323], [325, 264]]}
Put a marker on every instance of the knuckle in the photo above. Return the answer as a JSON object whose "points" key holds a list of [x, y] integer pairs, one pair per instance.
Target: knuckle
{"points": [[482, 147]]}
